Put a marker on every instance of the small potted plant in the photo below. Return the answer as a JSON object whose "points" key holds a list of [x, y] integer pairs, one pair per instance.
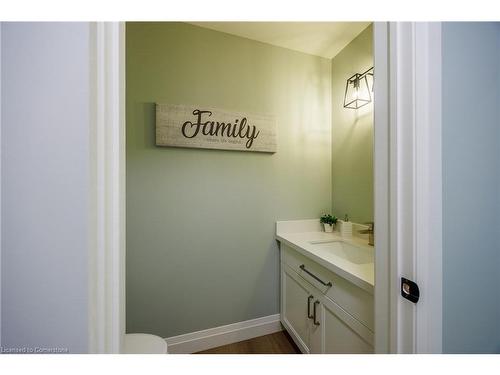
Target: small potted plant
{"points": [[328, 222]]}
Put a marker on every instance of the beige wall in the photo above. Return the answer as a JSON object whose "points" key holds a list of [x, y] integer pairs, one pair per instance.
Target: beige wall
{"points": [[200, 223], [352, 135]]}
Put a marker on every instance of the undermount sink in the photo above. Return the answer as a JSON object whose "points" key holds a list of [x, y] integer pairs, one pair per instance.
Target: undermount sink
{"points": [[347, 251]]}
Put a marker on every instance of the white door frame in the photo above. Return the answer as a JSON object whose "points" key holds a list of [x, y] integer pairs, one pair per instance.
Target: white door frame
{"points": [[407, 176], [408, 183], [107, 188]]}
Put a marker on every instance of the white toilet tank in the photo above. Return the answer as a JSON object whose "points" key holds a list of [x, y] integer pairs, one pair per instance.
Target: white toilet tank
{"points": [[143, 343]]}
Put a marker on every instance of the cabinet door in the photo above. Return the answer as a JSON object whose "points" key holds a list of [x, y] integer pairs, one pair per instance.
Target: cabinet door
{"points": [[294, 308], [334, 335]]}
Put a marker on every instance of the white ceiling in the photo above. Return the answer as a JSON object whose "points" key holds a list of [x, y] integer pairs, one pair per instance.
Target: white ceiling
{"points": [[324, 39]]}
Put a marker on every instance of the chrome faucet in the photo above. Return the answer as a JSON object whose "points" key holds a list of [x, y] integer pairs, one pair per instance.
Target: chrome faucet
{"points": [[371, 233]]}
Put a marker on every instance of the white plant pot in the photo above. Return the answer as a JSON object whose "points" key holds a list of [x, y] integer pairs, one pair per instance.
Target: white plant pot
{"points": [[328, 227]]}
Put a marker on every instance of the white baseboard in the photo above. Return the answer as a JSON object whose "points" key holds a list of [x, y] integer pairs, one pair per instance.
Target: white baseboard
{"points": [[224, 335]]}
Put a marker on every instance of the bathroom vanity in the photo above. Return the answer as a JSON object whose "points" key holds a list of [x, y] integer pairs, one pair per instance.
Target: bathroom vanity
{"points": [[326, 288]]}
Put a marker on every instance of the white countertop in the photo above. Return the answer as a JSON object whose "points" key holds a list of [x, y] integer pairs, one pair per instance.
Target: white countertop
{"points": [[299, 234]]}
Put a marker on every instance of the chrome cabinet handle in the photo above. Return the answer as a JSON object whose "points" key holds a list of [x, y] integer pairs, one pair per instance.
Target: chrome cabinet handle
{"points": [[316, 303], [309, 299], [303, 268]]}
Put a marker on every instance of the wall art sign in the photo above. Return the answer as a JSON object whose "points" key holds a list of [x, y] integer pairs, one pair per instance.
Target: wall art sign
{"points": [[207, 127]]}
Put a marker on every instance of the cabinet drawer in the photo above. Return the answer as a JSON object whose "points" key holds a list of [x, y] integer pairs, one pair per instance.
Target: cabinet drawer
{"points": [[351, 298]]}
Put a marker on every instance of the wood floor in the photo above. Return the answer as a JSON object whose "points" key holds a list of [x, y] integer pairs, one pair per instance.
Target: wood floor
{"points": [[276, 343]]}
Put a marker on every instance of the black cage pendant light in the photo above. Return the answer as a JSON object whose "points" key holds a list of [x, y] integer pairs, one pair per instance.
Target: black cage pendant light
{"points": [[358, 90]]}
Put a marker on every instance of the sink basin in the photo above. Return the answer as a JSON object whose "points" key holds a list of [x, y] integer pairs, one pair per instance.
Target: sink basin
{"points": [[347, 251]]}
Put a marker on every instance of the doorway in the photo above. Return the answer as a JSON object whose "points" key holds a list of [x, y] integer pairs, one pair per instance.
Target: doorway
{"points": [[391, 334]]}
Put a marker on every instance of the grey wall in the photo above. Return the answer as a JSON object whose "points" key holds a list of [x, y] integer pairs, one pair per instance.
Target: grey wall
{"points": [[200, 223], [471, 187], [45, 176]]}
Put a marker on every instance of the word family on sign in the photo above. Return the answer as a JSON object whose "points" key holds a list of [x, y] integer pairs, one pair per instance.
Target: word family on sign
{"points": [[196, 127]]}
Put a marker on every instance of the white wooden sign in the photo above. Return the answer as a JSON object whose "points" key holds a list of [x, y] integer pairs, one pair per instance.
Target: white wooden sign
{"points": [[207, 127]]}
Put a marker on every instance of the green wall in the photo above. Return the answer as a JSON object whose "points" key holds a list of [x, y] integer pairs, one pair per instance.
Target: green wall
{"points": [[352, 135], [200, 223]]}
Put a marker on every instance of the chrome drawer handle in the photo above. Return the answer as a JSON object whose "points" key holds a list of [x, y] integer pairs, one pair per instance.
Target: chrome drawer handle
{"points": [[309, 299], [303, 268]]}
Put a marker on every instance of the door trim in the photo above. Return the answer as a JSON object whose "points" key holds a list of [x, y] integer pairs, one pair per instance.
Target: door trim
{"points": [[382, 290], [408, 183], [107, 188], [428, 169]]}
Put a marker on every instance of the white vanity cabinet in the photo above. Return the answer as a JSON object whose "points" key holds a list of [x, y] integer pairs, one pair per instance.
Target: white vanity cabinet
{"points": [[323, 317]]}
